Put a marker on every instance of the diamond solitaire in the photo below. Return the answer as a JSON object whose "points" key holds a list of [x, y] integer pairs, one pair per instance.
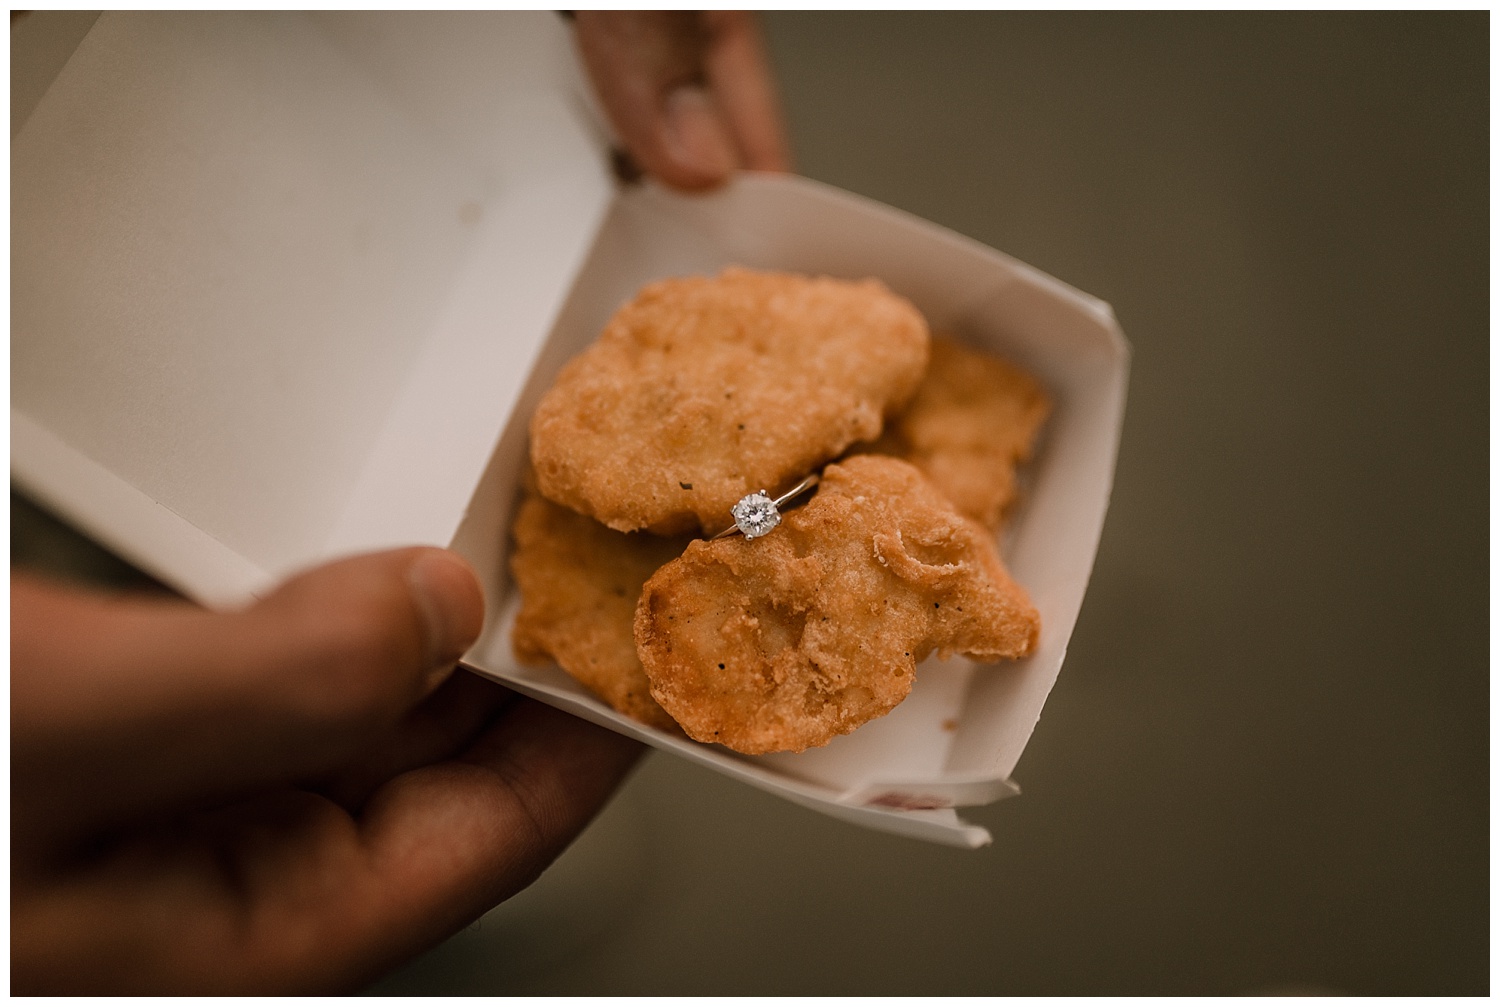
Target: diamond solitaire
{"points": [[756, 514]]}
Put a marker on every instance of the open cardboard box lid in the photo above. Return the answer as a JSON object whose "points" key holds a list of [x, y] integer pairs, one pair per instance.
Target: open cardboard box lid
{"points": [[286, 287]]}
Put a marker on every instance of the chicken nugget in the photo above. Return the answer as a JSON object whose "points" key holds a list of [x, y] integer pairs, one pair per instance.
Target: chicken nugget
{"points": [[784, 642], [579, 585], [702, 390], [973, 420]]}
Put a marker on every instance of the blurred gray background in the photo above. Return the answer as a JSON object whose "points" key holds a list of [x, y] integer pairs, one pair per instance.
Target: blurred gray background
{"points": [[1264, 768]]}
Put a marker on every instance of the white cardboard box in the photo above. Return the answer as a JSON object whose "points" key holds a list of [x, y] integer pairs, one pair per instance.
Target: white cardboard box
{"points": [[286, 287]]}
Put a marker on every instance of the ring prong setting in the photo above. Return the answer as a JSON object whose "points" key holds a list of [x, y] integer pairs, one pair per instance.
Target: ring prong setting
{"points": [[755, 515]]}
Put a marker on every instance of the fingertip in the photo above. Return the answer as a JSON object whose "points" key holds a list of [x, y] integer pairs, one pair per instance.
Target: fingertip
{"points": [[696, 143], [774, 156], [739, 73], [448, 596]]}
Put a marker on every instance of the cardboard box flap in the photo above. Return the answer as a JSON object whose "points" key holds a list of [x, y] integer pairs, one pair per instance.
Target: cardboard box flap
{"points": [[257, 273]]}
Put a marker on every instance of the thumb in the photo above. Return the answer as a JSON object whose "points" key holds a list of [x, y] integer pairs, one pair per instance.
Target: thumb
{"points": [[365, 636], [648, 69], [123, 707]]}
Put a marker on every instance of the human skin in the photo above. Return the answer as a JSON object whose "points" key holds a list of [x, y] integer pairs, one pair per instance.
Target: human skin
{"points": [[690, 93], [299, 796], [293, 797]]}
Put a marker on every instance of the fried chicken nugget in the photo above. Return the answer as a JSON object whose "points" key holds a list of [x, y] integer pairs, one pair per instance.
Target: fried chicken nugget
{"points": [[974, 419], [579, 585], [702, 390], [784, 642]]}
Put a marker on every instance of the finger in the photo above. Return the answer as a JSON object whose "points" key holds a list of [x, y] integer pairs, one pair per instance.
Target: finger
{"points": [[647, 69], [306, 899], [449, 842], [124, 705], [739, 74], [445, 723]]}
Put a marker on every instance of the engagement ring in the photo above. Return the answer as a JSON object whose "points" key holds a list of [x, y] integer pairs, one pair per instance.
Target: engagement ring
{"points": [[757, 514]]}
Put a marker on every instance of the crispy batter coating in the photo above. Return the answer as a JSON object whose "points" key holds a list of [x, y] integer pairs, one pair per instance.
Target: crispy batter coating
{"points": [[784, 642], [702, 390], [579, 585], [973, 420]]}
